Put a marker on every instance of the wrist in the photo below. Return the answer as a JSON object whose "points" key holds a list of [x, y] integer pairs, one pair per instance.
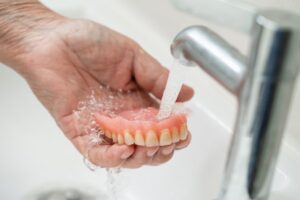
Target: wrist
{"points": [[22, 22]]}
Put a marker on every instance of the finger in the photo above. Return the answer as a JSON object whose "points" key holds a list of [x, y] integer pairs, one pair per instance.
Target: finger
{"points": [[163, 155], [142, 156], [184, 143], [167, 150], [109, 155], [152, 76], [185, 94]]}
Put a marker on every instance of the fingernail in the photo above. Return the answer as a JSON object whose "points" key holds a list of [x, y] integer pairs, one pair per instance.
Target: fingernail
{"points": [[180, 146], [151, 153], [167, 151], [126, 155]]}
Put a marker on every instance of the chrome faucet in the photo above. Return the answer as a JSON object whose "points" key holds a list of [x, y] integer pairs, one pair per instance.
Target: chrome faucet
{"points": [[263, 83]]}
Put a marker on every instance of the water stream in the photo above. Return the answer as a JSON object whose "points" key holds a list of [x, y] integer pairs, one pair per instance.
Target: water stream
{"points": [[171, 92], [108, 101]]}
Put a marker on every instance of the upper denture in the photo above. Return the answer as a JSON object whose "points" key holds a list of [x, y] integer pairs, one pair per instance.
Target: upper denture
{"points": [[141, 127]]}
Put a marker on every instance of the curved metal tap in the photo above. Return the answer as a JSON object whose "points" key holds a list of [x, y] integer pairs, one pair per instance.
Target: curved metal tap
{"points": [[263, 82]]}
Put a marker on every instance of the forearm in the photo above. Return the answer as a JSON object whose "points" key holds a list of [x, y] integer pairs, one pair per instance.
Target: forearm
{"points": [[21, 21]]}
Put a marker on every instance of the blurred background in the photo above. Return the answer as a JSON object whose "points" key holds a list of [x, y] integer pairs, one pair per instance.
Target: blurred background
{"points": [[34, 152]]}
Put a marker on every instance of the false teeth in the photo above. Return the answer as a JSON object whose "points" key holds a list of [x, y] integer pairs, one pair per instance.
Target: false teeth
{"points": [[120, 139], [129, 140], [114, 137], [151, 139], [165, 137], [183, 132], [144, 131], [139, 139], [175, 135]]}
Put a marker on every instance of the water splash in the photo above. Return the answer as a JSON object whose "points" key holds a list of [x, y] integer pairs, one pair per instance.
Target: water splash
{"points": [[173, 87], [113, 184], [112, 102], [109, 102]]}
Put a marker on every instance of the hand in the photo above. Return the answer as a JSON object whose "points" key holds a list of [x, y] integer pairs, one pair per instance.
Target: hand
{"points": [[64, 58]]}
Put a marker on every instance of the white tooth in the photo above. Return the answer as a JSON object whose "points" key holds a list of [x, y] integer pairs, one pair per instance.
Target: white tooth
{"points": [[128, 138], [114, 137], [151, 139], [165, 137], [183, 132], [139, 139], [120, 139], [175, 135], [108, 134]]}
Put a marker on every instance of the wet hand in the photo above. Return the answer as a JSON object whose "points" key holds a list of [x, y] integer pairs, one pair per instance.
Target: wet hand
{"points": [[62, 59]]}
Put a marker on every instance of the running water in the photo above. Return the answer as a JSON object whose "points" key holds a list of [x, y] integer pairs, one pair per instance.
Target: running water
{"points": [[104, 100], [113, 185], [108, 101], [173, 87]]}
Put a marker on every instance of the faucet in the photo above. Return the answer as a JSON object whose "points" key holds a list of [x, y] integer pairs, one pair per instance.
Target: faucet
{"points": [[263, 83]]}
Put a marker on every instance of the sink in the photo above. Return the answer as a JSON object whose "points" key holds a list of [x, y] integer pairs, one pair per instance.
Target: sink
{"points": [[35, 154]]}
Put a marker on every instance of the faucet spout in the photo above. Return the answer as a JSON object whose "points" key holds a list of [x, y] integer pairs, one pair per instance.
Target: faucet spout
{"points": [[264, 88], [201, 46]]}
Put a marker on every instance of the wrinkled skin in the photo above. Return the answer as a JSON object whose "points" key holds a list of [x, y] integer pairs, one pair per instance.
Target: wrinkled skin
{"points": [[63, 59]]}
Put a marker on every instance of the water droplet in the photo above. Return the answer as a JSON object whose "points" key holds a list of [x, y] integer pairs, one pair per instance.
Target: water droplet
{"points": [[90, 165]]}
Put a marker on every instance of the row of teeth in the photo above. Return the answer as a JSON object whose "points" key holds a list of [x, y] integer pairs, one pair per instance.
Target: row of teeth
{"points": [[151, 138]]}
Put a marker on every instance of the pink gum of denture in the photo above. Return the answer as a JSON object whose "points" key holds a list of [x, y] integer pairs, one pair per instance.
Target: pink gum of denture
{"points": [[141, 127]]}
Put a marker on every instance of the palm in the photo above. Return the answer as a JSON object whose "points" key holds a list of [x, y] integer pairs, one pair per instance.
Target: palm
{"points": [[80, 55]]}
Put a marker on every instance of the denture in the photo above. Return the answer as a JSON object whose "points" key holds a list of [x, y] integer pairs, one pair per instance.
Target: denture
{"points": [[140, 127]]}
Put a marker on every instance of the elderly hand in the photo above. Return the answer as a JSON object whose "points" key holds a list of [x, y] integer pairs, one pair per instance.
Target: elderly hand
{"points": [[62, 59]]}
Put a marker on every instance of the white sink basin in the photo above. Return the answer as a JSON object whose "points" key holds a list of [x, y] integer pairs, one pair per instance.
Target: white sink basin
{"points": [[34, 153]]}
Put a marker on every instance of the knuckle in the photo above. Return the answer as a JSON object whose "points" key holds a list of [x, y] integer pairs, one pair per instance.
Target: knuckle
{"points": [[159, 159]]}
